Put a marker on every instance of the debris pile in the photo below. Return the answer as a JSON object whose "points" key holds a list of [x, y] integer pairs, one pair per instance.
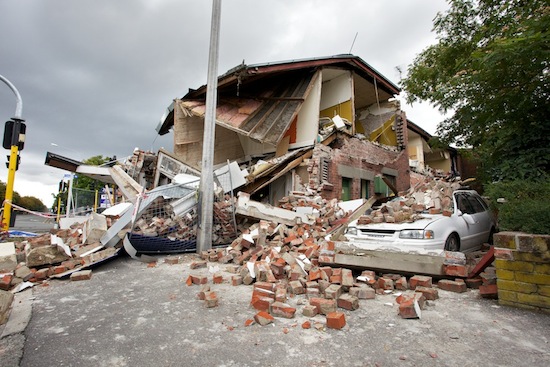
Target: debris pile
{"points": [[429, 196]]}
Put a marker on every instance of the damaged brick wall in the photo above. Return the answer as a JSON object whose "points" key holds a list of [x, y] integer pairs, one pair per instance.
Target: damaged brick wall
{"points": [[364, 158], [522, 263]]}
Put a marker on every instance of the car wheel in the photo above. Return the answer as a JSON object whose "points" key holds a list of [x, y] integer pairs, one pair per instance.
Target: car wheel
{"points": [[452, 243]]}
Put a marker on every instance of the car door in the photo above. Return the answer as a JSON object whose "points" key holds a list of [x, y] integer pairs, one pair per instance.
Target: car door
{"points": [[475, 215]]}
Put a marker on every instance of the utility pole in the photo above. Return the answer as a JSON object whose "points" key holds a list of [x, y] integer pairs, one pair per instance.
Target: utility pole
{"points": [[14, 139], [206, 189]]}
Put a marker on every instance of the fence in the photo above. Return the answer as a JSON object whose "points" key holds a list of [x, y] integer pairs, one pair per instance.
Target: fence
{"points": [[167, 217]]}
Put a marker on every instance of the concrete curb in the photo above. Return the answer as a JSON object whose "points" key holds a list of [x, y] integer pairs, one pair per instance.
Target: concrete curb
{"points": [[20, 314]]}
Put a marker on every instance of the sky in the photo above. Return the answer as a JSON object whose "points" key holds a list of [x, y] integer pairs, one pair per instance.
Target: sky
{"points": [[95, 77]]}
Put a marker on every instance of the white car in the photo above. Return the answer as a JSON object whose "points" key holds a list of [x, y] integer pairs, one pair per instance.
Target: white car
{"points": [[469, 226]]}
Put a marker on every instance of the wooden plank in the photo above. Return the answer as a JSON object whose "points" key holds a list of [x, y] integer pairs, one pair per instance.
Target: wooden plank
{"points": [[386, 261]]}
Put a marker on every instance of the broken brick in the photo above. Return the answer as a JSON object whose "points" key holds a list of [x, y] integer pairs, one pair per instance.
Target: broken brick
{"points": [[263, 318], [455, 270], [211, 299], [324, 306], [488, 291], [309, 311], [429, 293], [420, 280], [81, 275], [348, 302], [334, 291], [281, 309], [409, 309]]}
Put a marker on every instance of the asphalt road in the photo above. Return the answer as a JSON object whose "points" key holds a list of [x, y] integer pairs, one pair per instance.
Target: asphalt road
{"points": [[32, 223], [129, 314]]}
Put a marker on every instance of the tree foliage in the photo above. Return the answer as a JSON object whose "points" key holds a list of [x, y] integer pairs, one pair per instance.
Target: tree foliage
{"points": [[490, 68], [27, 202]]}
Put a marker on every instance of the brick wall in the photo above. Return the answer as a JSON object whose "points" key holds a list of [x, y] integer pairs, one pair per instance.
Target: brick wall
{"points": [[522, 264], [352, 152]]}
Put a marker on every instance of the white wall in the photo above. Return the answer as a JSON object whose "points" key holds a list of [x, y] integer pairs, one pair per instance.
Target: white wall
{"points": [[336, 90]]}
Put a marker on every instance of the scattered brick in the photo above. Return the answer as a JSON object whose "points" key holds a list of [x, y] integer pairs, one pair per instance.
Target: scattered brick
{"points": [[420, 280], [488, 291], [197, 264], [217, 278], [81, 275], [409, 309], [263, 318], [452, 286], [280, 309], [309, 311], [172, 260], [336, 320], [236, 280], [306, 325], [348, 302], [324, 306], [454, 270], [429, 293], [211, 299]]}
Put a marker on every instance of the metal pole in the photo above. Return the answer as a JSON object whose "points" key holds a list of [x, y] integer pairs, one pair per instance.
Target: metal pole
{"points": [[207, 180], [14, 153]]}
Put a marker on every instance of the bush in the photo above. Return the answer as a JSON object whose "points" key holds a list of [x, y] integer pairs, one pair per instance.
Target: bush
{"points": [[527, 206]]}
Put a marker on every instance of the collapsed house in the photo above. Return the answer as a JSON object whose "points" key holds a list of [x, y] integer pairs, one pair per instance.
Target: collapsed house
{"points": [[328, 126]]}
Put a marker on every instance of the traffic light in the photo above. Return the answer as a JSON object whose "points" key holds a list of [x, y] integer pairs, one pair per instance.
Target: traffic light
{"points": [[16, 163], [14, 134]]}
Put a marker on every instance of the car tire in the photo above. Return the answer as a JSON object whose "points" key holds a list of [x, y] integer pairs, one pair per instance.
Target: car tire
{"points": [[452, 243]]}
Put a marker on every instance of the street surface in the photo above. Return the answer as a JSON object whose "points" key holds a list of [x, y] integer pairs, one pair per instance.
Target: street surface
{"points": [[129, 314]]}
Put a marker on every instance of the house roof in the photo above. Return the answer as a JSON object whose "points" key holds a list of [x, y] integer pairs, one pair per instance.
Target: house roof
{"points": [[280, 101]]}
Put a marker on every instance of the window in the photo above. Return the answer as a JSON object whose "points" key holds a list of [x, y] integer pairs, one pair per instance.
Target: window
{"points": [[346, 188], [365, 192]]}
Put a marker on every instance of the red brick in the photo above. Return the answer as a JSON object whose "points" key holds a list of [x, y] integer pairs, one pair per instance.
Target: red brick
{"points": [[455, 270], [429, 293], [197, 264], [211, 299], [336, 320], [263, 318], [334, 291], [296, 287], [172, 260], [327, 270], [401, 284], [261, 303], [420, 280], [504, 254], [452, 286], [281, 309], [347, 278], [5, 281], [248, 322], [324, 306], [236, 280], [474, 282], [348, 302], [81, 275], [306, 325], [385, 283], [198, 279], [217, 279], [59, 269], [309, 310], [409, 309], [41, 274], [488, 291]]}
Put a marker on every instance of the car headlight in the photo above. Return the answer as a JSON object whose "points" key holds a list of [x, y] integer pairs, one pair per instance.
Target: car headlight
{"points": [[417, 234], [352, 231]]}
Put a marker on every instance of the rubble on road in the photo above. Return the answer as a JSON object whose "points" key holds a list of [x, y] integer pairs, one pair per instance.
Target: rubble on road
{"points": [[283, 253]]}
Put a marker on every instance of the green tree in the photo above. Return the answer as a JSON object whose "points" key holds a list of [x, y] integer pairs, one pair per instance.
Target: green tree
{"points": [[27, 202], [490, 69]]}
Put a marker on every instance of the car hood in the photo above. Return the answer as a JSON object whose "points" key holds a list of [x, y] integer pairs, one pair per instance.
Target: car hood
{"points": [[417, 224]]}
